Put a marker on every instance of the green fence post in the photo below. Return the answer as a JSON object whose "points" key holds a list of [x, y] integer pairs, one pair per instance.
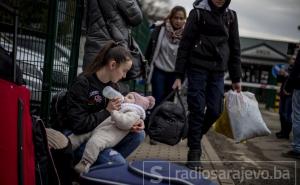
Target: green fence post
{"points": [[141, 34], [49, 58], [75, 42]]}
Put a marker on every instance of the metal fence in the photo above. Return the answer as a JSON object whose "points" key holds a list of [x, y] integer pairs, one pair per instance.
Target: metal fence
{"points": [[141, 34], [47, 45]]}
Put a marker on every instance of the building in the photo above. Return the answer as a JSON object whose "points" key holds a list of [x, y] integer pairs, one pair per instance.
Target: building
{"points": [[258, 60]]}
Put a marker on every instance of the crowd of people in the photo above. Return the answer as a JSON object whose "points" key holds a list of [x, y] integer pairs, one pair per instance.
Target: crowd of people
{"points": [[203, 45], [199, 47]]}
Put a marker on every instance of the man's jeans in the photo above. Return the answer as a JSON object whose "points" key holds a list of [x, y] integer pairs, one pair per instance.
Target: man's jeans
{"points": [[118, 153], [205, 90], [296, 121]]}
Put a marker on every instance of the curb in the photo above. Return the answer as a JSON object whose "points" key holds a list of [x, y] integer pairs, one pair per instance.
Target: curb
{"points": [[213, 156]]}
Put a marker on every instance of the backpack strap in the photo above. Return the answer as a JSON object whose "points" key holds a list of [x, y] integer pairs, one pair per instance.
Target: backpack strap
{"points": [[200, 16], [230, 17]]}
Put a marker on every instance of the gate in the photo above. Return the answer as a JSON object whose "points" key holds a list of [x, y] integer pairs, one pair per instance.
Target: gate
{"points": [[47, 45]]}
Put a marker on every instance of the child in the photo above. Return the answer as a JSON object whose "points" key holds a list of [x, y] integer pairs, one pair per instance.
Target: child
{"points": [[112, 130]]}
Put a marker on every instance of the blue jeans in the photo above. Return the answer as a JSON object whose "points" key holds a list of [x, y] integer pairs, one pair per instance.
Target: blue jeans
{"points": [[162, 83], [205, 90], [296, 120], [118, 153]]}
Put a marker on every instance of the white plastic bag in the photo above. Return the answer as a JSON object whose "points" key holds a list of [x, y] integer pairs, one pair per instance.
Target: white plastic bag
{"points": [[244, 115]]}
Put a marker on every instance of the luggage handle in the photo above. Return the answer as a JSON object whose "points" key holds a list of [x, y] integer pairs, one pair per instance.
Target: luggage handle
{"points": [[20, 142]]}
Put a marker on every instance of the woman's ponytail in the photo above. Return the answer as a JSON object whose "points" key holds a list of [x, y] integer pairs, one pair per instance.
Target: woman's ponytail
{"points": [[99, 60]]}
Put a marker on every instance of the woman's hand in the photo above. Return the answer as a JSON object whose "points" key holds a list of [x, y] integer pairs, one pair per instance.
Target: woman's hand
{"points": [[138, 126], [114, 104]]}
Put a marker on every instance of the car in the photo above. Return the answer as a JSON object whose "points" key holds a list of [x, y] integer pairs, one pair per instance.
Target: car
{"points": [[30, 58], [61, 57]]}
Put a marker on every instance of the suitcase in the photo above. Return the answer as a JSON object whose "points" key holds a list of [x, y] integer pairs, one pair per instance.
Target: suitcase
{"points": [[16, 146], [144, 172]]}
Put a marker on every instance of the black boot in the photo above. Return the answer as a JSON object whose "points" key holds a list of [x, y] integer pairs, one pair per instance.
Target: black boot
{"points": [[281, 135], [153, 142], [194, 160]]}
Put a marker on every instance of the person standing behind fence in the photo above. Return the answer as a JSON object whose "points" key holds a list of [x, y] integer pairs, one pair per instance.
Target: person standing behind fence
{"points": [[210, 44], [162, 51], [293, 84], [109, 20], [87, 106]]}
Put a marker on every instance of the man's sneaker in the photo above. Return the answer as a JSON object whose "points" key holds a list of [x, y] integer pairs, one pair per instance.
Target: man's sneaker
{"points": [[194, 160], [291, 154]]}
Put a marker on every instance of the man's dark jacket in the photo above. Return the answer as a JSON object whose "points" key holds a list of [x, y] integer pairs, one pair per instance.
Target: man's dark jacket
{"points": [[111, 21], [210, 41], [293, 81]]}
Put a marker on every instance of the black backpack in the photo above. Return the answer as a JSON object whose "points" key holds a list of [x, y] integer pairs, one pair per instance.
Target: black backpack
{"points": [[168, 121]]}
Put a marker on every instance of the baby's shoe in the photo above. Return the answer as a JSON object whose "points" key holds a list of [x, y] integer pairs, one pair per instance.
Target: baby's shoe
{"points": [[83, 166]]}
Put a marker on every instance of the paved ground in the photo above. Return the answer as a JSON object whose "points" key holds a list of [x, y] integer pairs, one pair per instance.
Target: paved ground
{"points": [[178, 154], [257, 162], [262, 155]]}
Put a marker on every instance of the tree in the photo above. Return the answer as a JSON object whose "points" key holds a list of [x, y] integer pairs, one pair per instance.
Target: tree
{"points": [[154, 9]]}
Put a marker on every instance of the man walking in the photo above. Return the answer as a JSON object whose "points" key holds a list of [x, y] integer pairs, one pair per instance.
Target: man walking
{"points": [[210, 45]]}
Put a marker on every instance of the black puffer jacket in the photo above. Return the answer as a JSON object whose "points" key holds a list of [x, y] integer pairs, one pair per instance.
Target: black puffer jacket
{"points": [[210, 41], [120, 15]]}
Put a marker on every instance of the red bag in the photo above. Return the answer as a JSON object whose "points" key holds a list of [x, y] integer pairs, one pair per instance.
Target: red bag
{"points": [[16, 158]]}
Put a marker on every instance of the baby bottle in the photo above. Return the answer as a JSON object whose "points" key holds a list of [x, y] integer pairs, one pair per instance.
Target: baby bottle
{"points": [[111, 93]]}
